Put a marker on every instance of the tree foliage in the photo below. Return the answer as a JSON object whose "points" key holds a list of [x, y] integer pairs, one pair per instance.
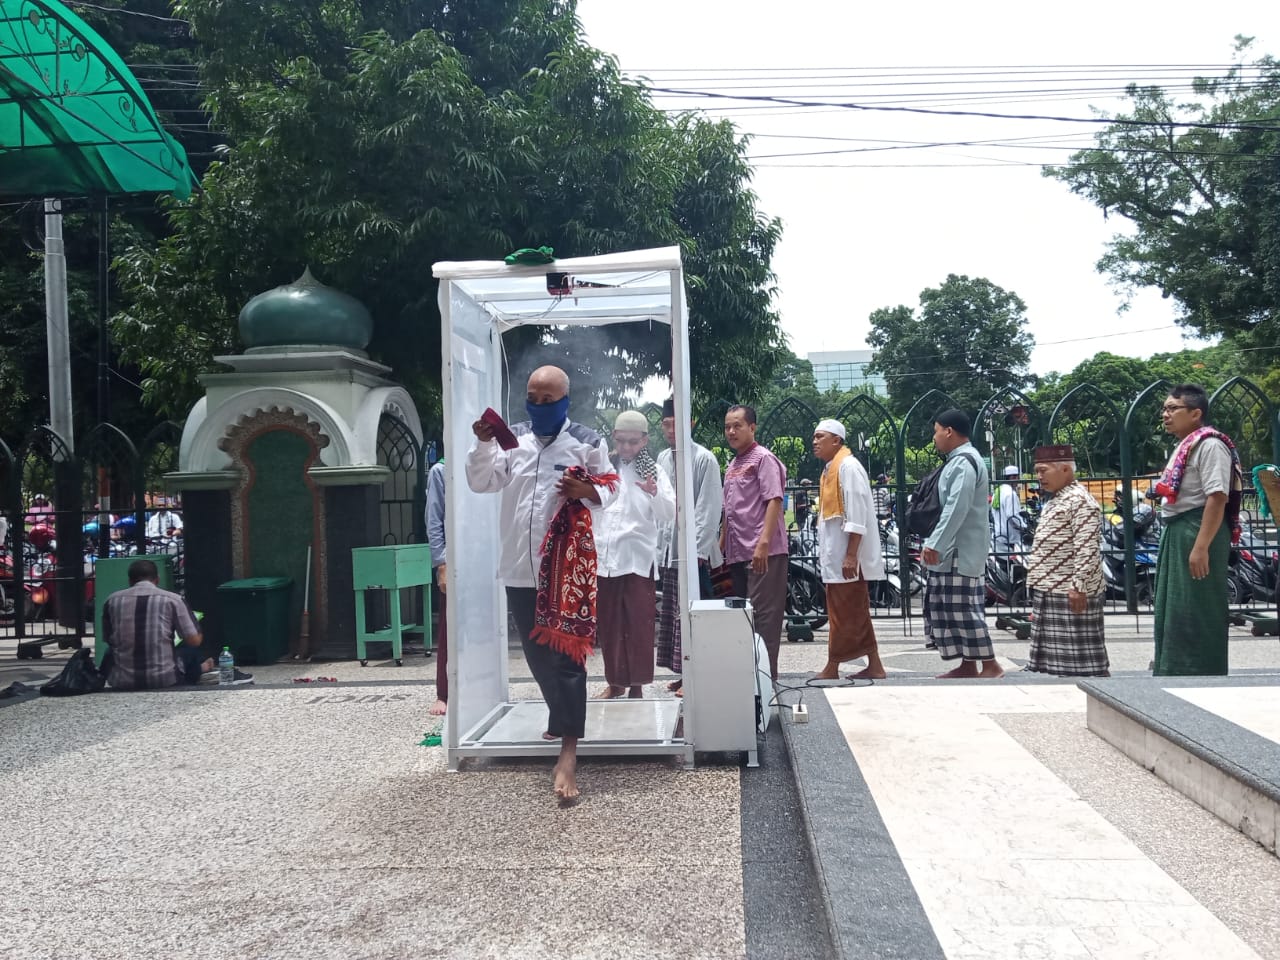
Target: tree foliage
{"points": [[1203, 201], [369, 138], [969, 339]]}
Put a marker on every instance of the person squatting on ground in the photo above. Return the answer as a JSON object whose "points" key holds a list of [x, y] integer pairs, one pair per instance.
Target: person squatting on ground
{"points": [[440, 568], [848, 553], [1201, 489], [754, 539], [535, 481], [626, 548], [955, 555], [1006, 514], [708, 505], [1064, 573], [139, 624]]}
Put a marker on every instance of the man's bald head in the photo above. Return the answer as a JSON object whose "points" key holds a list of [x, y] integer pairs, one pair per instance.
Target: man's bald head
{"points": [[547, 385]]}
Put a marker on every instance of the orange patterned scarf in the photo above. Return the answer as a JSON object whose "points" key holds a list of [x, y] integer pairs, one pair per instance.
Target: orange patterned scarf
{"points": [[565, 617]]}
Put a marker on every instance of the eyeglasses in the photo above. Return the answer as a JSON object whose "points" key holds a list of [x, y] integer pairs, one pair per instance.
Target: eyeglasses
{"points": [[1170, 407]]}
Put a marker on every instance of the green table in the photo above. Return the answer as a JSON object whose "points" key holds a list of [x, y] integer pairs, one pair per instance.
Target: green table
{"points": [[393, 568]]}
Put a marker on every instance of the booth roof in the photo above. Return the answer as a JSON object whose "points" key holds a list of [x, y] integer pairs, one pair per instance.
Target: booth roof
{"points": [[613, 288]]}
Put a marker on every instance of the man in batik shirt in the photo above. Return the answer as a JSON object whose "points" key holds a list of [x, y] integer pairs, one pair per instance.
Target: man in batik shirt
{"points": [[1064, 573]]}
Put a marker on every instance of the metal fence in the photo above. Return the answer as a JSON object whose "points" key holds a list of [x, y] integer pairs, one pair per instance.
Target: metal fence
{"points": [[62, 512], [108, 499]]}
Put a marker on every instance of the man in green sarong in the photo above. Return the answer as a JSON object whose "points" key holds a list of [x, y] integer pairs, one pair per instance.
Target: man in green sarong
{"points": [[1200, 490]]}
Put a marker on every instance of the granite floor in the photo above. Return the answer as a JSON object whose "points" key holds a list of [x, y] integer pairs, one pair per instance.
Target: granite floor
{"points": [[1013, 847]]}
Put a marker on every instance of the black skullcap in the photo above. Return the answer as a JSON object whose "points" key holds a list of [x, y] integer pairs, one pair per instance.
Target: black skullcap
{"points": [[957, 420], [668, 407]]}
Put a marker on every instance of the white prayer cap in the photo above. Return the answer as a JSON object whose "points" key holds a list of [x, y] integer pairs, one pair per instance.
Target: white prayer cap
{"points": [[831, 426], [631, 421], [1011, 471]]}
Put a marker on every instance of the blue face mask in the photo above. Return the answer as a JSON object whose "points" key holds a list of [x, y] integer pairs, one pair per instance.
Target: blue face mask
{"points": [[548, 418]]}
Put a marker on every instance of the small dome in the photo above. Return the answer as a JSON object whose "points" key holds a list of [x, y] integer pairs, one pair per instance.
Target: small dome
{"points": [[304, 314]]}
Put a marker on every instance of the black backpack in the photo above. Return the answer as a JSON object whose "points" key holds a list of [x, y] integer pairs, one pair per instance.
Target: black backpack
{"points": [[926, 506]]}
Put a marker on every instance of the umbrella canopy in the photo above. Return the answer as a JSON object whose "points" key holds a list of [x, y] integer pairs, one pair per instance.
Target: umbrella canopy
{"points": [[73, 119]]}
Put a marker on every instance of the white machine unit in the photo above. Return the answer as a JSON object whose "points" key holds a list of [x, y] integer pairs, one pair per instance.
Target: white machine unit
{"points": [[722, 656]]}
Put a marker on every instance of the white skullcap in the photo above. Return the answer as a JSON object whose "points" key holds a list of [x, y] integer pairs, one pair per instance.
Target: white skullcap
{"points": [[631, 420], [1011, 471], [831, 426]]}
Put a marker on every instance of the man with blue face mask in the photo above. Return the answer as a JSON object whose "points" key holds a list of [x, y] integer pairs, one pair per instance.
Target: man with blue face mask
{"points": [[531, 478]]}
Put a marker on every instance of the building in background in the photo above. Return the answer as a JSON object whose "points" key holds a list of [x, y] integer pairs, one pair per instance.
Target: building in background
{"points": [[845, 370]]}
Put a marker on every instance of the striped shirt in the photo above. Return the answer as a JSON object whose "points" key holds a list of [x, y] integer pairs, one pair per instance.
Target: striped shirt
{"points": [[1067, 553], [139, 624]]}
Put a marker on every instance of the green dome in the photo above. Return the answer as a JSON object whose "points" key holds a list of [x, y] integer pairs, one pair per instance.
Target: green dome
{"points": [[304, 313]]}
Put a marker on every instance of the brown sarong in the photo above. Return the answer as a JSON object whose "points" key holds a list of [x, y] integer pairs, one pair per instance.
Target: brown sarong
{"points": [[850, 633], [626, 612]]}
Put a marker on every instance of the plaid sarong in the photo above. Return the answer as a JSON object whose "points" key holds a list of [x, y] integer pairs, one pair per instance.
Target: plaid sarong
{"points": [[1066, 644], [954, 616], [670, 655]]}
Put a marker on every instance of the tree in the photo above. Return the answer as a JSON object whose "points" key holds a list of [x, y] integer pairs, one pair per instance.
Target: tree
{"points": [[370, 138], [1200, 184], [969, 340]]}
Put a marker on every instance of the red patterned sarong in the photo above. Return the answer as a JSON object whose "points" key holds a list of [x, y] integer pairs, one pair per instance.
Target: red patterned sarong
{"points": [[565, 616]]}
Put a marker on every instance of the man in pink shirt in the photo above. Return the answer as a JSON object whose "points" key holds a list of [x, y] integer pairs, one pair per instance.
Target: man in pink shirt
{"points": [[754, 539]]}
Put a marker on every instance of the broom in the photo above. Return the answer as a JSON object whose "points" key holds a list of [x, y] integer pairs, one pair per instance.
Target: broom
{"points": [[304, 629]]}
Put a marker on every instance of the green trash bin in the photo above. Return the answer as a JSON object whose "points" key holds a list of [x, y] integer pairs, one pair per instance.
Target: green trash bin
{"points": [[111, 575], [255, 618]]}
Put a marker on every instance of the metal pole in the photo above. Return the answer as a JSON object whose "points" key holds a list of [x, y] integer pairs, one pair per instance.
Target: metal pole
{"points": [[104, 349], [57, 331]]}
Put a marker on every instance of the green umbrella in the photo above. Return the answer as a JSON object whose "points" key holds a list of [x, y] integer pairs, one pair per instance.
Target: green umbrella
{"points": [[73, 119]]}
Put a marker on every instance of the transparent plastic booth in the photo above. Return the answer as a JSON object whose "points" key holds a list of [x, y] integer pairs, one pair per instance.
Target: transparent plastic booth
{"points": [[479, 302]]}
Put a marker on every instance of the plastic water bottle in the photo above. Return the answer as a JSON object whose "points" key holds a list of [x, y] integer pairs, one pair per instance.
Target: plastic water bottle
{"points": [[226, 668]]}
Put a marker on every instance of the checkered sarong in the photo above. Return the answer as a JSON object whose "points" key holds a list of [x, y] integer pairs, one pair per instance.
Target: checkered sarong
{"points": [[954, 616], [670, 655], [1066, 644]]}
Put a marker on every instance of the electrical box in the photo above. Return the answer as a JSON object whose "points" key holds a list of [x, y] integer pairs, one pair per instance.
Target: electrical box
{"points": [[721, 677]]}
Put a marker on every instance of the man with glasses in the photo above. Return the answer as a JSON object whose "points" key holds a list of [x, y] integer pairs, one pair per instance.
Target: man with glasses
{"points": [[1200, 490], [626, 551]]}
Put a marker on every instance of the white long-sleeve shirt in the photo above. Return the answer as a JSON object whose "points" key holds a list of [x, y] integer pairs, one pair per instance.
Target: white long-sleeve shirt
{"points": [[627, 531], [708, 506], [1006, 516], [858, 515], [527, 477]]}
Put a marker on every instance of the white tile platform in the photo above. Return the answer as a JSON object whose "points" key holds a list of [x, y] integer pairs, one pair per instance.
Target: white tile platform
{"points": [[1254, 708], [1007, 860]]}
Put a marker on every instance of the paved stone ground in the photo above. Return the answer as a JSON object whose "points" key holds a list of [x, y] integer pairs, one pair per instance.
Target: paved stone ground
{"points": [[280, 820]]}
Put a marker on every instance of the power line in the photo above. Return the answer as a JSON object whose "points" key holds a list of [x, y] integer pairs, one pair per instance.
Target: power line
{"points": [[122, 10], [1188, 124]]}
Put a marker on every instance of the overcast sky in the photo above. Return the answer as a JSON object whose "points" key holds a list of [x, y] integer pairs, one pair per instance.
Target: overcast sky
{"points": [[883, 225]]}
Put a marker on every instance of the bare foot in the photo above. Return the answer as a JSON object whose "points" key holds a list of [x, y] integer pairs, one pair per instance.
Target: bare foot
{"points": [[966, 670], [680, 693], [566, 773], [438, 709], [548, 735], [991, 670], [636, 692], [830, 672], [675, 685], [610, 692], [867, 673]]}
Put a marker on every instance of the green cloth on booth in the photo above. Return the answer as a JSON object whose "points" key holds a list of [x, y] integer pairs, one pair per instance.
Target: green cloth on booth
{"points": [[530, 256], [1190, 614], [1265, 506]]}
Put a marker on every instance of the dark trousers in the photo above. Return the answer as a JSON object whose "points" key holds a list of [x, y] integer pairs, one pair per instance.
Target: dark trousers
{"points": [[561, 679], [191, 662], [768, 595], [442, 651]]}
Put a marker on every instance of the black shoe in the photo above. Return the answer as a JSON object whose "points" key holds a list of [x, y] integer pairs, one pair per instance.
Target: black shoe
{"points": [[240, 678]]}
